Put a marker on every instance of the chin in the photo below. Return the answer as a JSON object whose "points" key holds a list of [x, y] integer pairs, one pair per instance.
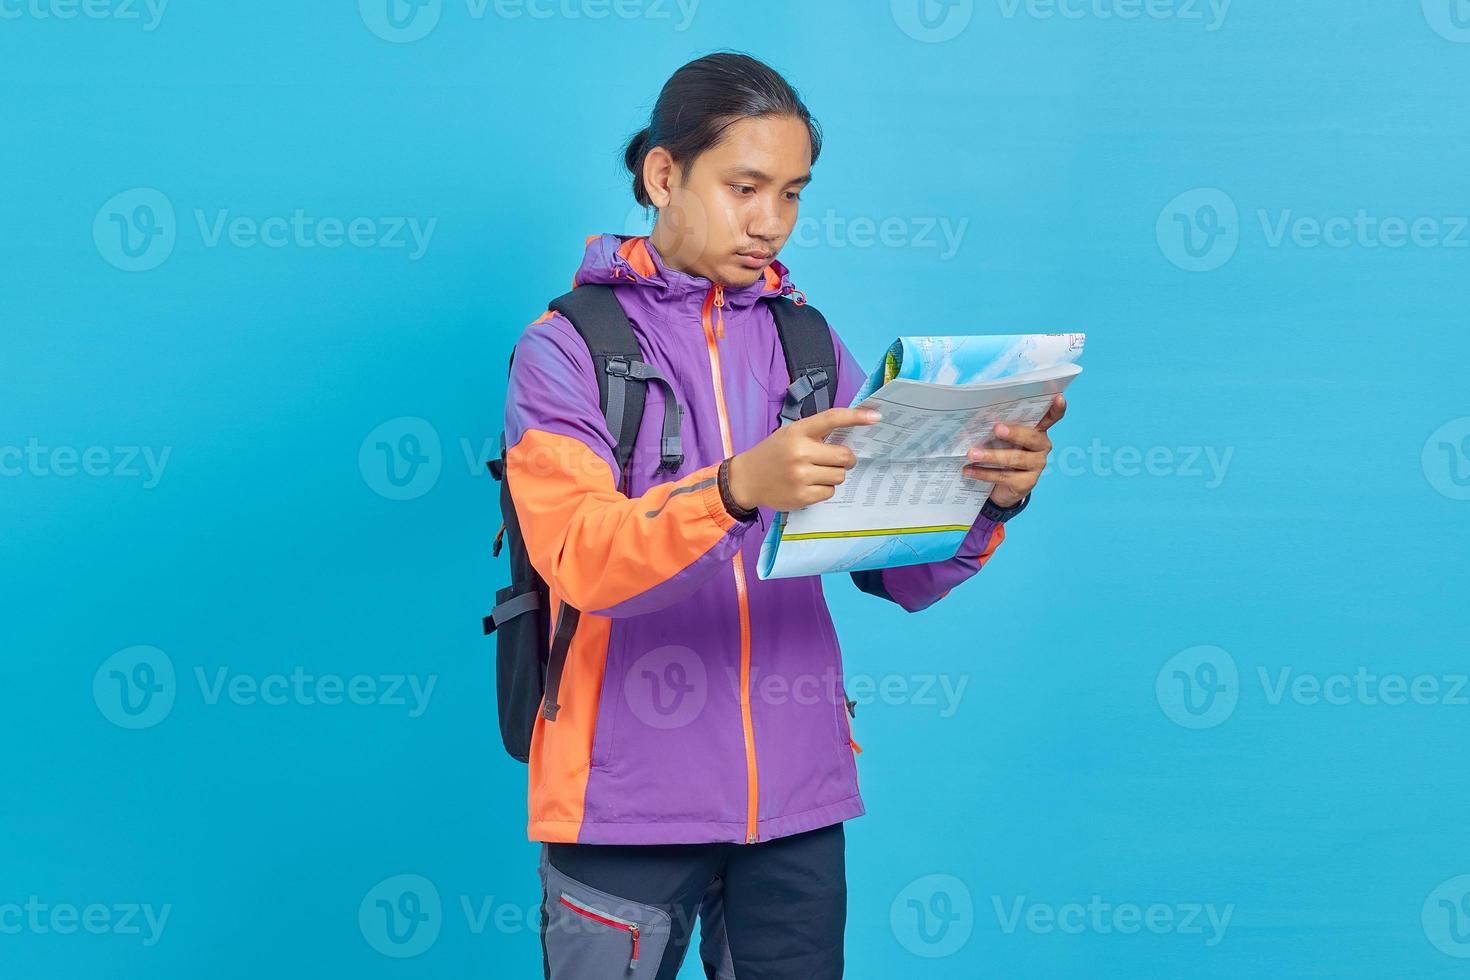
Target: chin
{"points": [[739, 276]]}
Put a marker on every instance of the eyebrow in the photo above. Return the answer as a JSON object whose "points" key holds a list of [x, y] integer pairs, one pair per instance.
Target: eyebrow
{"points": [[762, 176]]}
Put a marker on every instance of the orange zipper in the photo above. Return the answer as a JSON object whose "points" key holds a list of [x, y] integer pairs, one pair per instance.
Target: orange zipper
{"points": [[716, 301]]}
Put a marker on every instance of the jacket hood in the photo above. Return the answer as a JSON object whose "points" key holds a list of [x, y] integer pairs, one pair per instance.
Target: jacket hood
{"points": [[623, 259]]}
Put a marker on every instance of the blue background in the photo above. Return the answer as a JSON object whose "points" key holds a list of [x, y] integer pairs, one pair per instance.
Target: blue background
{"points": [[1075, 763]]}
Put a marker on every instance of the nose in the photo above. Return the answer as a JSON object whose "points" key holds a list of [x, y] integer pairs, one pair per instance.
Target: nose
{"points": [[765, 221]]}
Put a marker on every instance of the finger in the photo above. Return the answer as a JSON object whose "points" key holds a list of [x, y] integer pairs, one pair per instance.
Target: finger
{"points": [[1053, 414], [826, 476], [815, 495], [1021, 481], [826, 454], [821, 424], [1023, 436], [1009, 459]]}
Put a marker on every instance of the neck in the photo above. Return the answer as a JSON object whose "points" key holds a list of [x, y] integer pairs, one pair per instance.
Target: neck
{"points": [[666, 242]]}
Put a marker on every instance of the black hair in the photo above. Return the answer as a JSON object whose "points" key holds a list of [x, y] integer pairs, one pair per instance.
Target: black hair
{"points": [[700, 100]]}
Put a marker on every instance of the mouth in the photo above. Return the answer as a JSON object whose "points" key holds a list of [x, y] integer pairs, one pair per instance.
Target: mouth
{"points": [[755, 258]]}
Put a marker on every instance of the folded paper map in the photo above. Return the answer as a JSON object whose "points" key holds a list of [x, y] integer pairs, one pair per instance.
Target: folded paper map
{"points": [[907, 501]]}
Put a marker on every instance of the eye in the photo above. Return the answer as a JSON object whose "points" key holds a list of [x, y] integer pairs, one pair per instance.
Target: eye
{"points": [[742, 189], [793, 195]]}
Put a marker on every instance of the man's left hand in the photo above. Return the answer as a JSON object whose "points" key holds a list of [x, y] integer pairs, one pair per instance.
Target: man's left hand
{"points": [[1014, 471]]}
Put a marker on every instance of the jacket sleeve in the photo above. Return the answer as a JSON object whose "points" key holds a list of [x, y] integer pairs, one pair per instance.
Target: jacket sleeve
{"points": [[916, 587], [600, 550]]}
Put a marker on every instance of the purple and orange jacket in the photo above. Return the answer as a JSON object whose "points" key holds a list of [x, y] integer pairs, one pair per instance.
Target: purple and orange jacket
{"points": [[698, 702]]}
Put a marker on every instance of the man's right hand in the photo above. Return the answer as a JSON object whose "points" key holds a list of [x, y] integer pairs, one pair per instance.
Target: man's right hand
{"points": [[792, 467]]}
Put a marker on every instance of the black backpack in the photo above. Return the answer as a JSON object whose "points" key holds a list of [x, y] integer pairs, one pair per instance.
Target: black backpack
{"points": [[528, 657]]}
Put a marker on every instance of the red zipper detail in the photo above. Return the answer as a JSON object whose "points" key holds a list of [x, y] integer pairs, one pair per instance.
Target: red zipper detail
{"points": [[631, 928]]}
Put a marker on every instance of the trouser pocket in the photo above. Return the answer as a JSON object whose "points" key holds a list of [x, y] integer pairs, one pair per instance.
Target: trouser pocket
{"points": [[589, 934]]}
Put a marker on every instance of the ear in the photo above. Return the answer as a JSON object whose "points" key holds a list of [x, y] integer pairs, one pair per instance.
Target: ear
{"points": [[659, 175]]}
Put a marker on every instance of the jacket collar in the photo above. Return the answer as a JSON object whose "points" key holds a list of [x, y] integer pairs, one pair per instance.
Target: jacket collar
{"points": [[633, 259]]}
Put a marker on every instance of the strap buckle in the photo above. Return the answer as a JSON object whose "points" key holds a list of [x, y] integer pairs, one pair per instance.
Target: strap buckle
{"points": [[812, 381]]}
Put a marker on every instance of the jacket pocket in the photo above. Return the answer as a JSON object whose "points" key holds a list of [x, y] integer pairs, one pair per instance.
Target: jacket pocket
{"points": [[590, 934]]}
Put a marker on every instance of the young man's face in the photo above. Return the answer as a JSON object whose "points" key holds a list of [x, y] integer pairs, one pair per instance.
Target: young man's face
{"points": [[727, 215]]}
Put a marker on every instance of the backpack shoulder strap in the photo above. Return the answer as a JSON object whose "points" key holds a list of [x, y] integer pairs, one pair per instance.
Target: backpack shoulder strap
{"points": [[617, 359], [811, 359]]}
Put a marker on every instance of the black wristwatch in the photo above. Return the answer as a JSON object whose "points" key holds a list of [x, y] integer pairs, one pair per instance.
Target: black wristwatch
{"points": [[1002, 514]]}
